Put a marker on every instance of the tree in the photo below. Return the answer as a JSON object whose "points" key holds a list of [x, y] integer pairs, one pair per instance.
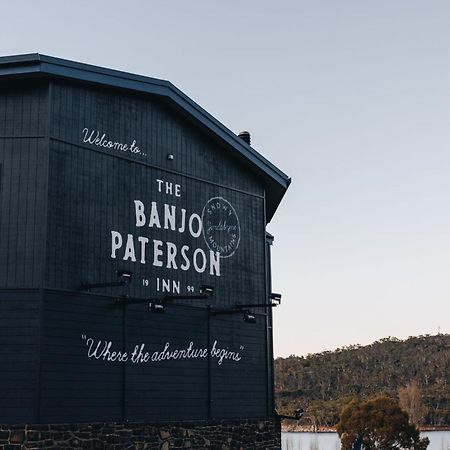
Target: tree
{"points": [[410, 399], [378, 424]]}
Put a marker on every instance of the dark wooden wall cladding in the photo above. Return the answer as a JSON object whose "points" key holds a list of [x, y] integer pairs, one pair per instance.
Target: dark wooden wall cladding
{"points": [[78, 384], [19, 355], [73, 386], [157, 129], [68, 216], [23, 184], [23, 109], [92, 192], [91, 195]]}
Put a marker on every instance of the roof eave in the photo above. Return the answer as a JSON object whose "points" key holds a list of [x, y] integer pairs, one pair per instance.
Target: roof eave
{"points": [[275, 180]]}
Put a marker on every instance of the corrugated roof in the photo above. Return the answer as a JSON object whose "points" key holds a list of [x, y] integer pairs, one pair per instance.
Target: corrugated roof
{"points": [[35, 64]]}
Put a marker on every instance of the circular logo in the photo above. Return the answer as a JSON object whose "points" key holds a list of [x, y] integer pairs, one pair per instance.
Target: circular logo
{"points": [[221, 228]]}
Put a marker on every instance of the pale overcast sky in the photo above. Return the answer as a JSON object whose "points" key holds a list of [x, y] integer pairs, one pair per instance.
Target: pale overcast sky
{"points": [[351, 98]]}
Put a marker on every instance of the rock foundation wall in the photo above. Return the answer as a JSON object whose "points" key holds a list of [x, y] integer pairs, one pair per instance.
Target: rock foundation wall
{"points": [[222, 435]]}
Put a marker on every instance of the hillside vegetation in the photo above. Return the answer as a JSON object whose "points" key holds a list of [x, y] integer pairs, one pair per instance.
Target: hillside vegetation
{"points": [[417, 371]]}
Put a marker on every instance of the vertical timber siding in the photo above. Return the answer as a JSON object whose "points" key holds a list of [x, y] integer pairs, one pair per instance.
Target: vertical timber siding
{"points": [[19, 355], [60, 200], [23, 193], [23, 183]]}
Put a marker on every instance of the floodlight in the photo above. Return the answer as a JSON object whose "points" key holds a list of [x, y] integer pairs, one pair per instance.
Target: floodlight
{"points": [[206, 290], [156, 307], [275, 298], [249, 317]]}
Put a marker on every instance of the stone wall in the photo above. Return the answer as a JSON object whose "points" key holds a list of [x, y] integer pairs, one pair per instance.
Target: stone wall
{"points": [[221, 435]]}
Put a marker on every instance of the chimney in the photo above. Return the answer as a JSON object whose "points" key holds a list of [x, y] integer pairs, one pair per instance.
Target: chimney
{"points": [[245, 136]]}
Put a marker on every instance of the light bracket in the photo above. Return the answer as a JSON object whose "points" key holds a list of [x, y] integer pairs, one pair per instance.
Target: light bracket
{"points": [[158, 305], [124, 280]]}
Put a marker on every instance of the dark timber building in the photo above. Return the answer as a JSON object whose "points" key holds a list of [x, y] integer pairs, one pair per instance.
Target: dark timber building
{"points": [[123, 204]]}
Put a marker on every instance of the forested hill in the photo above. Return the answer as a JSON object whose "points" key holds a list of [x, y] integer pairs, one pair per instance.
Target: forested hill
{"points": [[322, 383]]}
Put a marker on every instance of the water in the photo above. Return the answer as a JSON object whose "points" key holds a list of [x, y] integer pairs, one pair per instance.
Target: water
{"points": [[310, 441], [439, 440]]}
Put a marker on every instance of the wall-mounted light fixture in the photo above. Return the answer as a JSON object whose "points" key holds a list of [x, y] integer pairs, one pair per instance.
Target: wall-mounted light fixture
{"points": [[242, 308], [275, 298], [249, 317], [124, 279], [205, 292], [156, 307], [298, 414]]}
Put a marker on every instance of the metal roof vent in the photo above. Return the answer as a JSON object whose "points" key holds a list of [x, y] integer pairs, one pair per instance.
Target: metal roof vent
{"points": [[245, 136]]}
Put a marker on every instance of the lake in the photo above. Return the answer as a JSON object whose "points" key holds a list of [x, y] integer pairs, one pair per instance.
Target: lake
{"points": [[439, 440]]}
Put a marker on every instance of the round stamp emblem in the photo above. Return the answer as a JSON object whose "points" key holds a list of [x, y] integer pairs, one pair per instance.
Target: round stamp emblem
{"points": [[221, 228]]}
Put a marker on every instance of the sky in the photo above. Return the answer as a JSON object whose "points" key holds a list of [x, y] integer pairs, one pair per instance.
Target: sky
{"points": [[350, 98]]}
